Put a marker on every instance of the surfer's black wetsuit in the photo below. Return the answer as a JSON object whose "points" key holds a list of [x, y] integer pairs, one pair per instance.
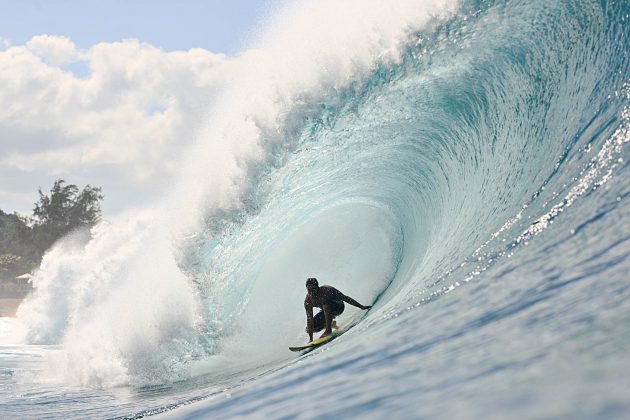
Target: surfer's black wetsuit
{"points": [[319, 320], [330, 300]]}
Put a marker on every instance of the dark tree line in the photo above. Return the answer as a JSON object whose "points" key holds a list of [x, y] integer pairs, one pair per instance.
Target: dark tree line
{"points": [[24, 240]]}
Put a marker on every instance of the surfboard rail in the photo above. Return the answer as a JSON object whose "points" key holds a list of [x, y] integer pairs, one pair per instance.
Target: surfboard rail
{"points": [[318, 342]]}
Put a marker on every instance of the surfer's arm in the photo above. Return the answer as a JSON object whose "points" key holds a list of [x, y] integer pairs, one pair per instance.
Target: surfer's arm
{"points": [[309, 319], [353, 302]]}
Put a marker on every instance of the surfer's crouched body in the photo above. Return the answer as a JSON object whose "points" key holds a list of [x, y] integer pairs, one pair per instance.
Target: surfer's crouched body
{"points": [[336, 308], [330, 300]]}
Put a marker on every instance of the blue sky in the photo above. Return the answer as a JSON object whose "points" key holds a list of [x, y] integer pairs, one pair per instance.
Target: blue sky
{"points": [[215, 25]]}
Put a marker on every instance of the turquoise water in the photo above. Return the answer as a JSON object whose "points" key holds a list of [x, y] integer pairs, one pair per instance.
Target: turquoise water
{"points": [[474, 188]]}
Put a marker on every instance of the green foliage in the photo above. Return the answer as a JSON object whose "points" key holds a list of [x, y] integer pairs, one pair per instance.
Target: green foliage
{"points": [[65, 210], [16, 237], [67, 207], [24, 241], [12, 266]]}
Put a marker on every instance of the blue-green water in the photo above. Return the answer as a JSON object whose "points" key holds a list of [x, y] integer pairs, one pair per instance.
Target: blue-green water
{"points": [[475, 190]]}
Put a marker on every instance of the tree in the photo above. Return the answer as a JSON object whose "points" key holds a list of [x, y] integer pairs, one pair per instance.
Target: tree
{"points": [[65, 210], [12, 266], [16, 237], [23, 241]]}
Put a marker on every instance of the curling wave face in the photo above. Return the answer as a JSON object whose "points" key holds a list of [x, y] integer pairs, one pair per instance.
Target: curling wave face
{"points": [[453, 151], [398, 167]]}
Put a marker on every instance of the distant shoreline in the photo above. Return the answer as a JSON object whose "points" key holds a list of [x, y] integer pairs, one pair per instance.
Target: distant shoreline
{"points": [[9, 306], [12, 294]]}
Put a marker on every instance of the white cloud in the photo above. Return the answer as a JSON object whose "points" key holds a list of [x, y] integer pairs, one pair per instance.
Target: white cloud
{"points": [[124, 122], [121, 126], [56, 50], [4, 43]]}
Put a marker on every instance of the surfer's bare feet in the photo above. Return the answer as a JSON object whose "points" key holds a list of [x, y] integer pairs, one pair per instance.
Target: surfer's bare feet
{"points": [[326, 333]]}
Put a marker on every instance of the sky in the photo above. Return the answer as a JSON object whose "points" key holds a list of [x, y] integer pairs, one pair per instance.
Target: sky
{"points": [[108, 93], [215, 25]]}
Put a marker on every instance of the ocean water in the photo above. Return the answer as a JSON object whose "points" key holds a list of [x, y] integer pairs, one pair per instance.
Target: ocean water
{"points": [[460, 165]]}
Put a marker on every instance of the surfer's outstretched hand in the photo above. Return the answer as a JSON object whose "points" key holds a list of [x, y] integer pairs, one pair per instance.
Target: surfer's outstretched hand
{"points": [[366, 307]]}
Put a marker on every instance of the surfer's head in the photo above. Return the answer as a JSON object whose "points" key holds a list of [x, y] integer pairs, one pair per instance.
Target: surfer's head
{"points": [[312, 285]]}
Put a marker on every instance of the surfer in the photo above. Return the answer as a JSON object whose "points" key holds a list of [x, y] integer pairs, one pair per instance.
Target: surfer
{"points": [[330, 300]]}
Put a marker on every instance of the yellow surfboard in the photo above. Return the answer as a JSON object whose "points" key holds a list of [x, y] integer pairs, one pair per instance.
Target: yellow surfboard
{"points": [[317, 342]]}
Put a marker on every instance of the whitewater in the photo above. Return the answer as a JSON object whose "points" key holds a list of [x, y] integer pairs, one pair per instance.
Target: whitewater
{"points": [[461, 165]]}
